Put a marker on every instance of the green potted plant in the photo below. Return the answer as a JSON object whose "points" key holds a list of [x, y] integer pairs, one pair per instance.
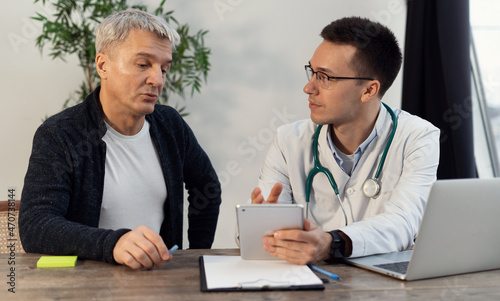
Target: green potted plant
{"points": [[71, 30]]}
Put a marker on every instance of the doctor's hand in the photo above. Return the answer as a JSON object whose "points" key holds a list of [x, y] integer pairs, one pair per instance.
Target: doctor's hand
{"points": [[310, 245], [257, 197], [141, 248]]}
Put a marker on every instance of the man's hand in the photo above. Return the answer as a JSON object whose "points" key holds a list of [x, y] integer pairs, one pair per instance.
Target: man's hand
{"points": [[141, 248], [257, 197], [310, 245]]}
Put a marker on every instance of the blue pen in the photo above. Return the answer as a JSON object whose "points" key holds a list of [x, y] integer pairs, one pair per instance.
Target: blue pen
{"points": [[324, 272], [173, 249]]}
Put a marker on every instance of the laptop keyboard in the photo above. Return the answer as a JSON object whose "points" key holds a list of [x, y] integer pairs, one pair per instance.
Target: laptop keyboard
{"points": [[398, 267]]}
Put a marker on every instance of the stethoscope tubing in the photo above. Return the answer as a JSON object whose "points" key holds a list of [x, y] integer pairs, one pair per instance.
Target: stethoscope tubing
{"points": [[320, 168]]}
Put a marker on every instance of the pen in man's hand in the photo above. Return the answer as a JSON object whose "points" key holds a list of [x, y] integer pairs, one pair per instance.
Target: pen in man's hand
{"points": [[324, 272], [173, 249]]}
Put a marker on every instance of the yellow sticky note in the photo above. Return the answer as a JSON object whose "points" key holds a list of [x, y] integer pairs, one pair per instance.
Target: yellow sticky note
{"points": [[56, 261]]}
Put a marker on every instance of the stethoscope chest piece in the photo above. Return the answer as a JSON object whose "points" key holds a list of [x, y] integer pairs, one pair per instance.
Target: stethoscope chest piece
{"points": [[371, 188]]}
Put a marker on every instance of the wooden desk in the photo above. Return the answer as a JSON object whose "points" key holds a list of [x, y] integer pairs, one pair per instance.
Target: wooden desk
{"points": [[180, 280]]}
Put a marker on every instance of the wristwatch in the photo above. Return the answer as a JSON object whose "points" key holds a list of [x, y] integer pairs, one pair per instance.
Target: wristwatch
{"points": [[337, 248]]}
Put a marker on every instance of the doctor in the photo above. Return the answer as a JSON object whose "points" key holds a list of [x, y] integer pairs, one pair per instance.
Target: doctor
{"points": [[351, 131]]}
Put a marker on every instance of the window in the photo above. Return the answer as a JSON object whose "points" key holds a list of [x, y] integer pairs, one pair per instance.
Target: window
{"points": [[485, 49]]}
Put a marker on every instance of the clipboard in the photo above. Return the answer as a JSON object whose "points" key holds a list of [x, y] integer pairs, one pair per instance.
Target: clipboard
{"points": [[232, 273]]}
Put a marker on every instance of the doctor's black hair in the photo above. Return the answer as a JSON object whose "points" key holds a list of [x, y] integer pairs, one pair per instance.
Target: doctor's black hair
{"points": [[378, 54]]}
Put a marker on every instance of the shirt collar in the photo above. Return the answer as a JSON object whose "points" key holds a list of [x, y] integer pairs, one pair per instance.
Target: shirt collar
{"points": [[361, 148]]}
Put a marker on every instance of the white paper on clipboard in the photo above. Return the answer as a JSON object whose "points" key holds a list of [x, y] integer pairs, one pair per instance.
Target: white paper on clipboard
{"points": [[233, 272]]}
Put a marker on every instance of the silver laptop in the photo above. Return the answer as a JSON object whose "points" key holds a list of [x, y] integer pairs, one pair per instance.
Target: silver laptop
{"points": [[458, 234]]}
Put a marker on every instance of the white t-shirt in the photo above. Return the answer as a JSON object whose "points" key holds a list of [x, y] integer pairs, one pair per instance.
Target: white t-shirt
{"points": [[134, 186]]}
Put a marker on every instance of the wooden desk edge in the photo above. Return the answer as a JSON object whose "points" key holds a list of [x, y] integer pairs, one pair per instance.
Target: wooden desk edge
{"points": [[4, 205]]}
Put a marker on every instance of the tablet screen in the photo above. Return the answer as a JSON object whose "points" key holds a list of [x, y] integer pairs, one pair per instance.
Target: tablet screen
{"points": [[256, 221]]}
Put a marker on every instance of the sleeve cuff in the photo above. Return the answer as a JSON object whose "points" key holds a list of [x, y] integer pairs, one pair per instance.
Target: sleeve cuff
{"points": [[109, 246], [358, 241]]}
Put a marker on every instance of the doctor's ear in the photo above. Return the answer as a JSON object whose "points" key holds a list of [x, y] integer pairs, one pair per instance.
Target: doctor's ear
{"points": [[371, 91]]}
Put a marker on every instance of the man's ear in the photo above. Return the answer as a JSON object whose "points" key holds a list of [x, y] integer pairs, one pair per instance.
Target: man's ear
{"points": [[101, 64], [371, 91]]}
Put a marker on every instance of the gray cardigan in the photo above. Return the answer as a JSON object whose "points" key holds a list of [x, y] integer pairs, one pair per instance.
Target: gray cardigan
{"points": [[63, 187]]}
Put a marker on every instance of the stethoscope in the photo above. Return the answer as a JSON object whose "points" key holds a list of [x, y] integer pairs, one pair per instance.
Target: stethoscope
{"points": [[371, 187]]}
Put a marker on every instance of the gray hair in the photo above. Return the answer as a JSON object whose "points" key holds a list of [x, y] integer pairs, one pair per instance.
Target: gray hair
{"points": [[116, 27]]}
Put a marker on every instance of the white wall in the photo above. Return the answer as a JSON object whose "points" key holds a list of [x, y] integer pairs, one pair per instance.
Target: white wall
{"points": [[259, 48]]}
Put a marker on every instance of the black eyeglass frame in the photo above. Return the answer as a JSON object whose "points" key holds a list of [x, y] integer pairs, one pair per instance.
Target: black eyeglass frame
{"points": [[306, 67]]}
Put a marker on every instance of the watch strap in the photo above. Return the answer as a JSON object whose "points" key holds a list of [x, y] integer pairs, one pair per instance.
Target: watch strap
{"points": [[337, 248]]}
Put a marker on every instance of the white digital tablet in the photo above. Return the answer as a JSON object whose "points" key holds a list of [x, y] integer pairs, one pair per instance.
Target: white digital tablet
{"points": [[257, 221]]}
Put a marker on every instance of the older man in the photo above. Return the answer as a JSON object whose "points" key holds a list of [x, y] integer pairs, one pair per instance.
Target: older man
{"points": [[105, 178]]}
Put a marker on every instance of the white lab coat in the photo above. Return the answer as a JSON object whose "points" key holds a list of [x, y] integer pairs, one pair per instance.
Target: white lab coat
{"points": [[386, 223]]}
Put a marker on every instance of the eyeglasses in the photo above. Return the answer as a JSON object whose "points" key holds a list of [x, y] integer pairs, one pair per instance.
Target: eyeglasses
{"points": [[324, 80]]}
